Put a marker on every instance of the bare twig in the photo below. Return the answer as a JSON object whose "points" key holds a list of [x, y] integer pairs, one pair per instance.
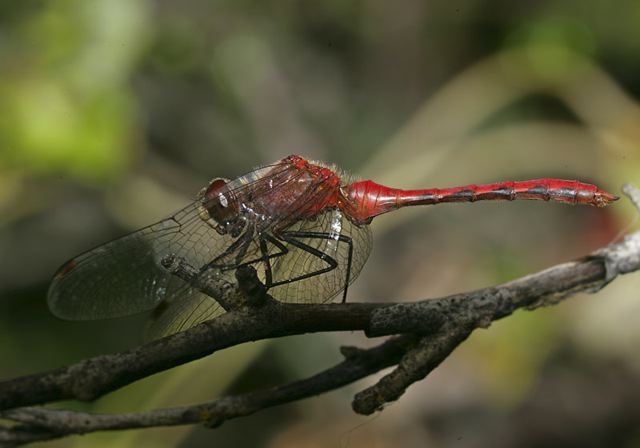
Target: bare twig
{"points": [[96, 376], [416, 363], [58, 423], [432, 328]]}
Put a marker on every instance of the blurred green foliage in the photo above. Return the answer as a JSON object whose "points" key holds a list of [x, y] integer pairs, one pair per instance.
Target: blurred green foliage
{"points": [[64, 82]]}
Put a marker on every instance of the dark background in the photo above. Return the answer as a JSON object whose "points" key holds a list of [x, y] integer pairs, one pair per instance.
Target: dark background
{"points": [[115, 113]]}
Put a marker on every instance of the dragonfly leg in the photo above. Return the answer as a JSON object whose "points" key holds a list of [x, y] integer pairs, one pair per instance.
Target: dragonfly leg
{"points": [[242, 244], [266, 256], [239, 243], [247, 237], [268, 275], [242, 247], [290, 237]]}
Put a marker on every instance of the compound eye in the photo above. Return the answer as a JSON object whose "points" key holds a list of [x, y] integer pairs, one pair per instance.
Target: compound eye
{"points": [[214, 191], [219, 202]]}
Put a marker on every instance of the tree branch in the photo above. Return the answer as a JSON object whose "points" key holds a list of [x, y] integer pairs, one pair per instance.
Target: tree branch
{"points": [[358, 364], [430, 330]]}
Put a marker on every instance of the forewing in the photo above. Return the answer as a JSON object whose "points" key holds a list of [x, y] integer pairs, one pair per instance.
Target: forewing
{"points": [[125, 277]]}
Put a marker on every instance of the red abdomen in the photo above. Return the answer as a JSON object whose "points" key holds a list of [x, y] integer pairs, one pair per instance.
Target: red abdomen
{"points": [[364, 200]]}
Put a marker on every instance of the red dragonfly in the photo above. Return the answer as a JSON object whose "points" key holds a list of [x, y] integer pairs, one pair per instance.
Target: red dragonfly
{"points": [[302, 225]]}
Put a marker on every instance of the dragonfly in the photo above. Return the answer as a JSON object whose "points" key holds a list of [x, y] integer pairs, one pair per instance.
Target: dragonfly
{"points": [[303, 225]]}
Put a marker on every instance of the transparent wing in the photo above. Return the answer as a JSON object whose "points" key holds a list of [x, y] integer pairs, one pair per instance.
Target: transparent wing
{"points": [[124, 276], [181, 312]]}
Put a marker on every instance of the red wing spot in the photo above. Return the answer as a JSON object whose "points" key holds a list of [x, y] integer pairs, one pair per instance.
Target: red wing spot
{"points": [[65, 269]]}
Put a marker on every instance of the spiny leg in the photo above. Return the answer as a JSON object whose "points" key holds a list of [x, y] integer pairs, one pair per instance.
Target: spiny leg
{"points": [[268, 276], [265, 255], [290, 236], [242, 244], [243, 247], [239, 242], [248, 236]]}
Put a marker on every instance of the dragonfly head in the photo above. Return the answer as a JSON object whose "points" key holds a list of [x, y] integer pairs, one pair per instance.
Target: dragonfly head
{"points": [[219, 208]]}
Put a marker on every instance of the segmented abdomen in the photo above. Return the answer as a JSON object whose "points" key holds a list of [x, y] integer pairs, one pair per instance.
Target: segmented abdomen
{"points": [[567, 191]]}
